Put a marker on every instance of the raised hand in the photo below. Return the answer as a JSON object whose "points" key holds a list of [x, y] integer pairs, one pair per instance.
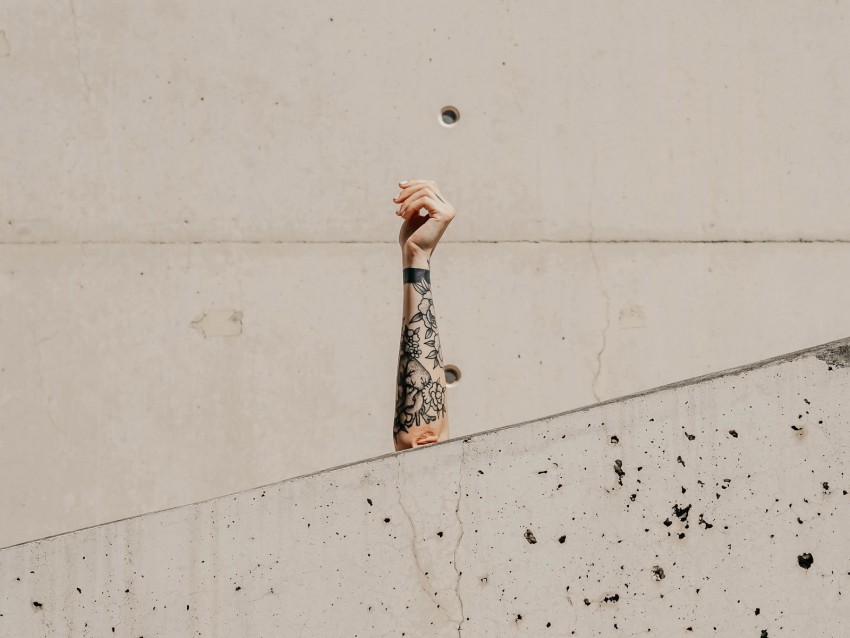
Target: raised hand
{"points": [[426, 215]]}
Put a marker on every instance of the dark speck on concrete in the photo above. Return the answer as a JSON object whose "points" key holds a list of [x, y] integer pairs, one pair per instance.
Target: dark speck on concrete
{"points": [[679, 460], [369, 500], [35, 603], [529, 536], [615, 439], [682, 512], [386, 520], [562, 539], [618, 468], [733, 433], [805, 560], [658, 572], [691, 437]]}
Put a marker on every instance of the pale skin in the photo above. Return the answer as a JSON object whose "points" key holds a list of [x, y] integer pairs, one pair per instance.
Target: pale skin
{"points": [[420, 412]]}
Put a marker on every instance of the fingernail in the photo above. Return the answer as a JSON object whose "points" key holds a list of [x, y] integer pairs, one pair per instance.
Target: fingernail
{"points": [[404, 181]]}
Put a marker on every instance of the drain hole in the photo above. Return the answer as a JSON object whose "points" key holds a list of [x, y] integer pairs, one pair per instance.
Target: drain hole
{"points": [[449, 116], [452, 375]]}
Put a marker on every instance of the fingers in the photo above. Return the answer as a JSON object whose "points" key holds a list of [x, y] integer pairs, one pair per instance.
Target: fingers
{"points": [[413, 205], [422, 193], [414, 191], [414, 186]]}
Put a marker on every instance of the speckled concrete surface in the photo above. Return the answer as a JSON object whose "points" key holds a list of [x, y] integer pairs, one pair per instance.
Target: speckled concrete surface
{"points": [[714, 507]]}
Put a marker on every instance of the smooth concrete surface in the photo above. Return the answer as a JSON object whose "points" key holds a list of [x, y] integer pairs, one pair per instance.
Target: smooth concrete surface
{"points": [[198, 120], [127, 389], [198, 262], [714, 507]]}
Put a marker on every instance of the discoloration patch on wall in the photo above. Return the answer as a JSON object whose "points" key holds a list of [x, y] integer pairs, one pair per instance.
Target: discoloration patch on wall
{"points": [[5, 49], [632, 316], [219, 323]]}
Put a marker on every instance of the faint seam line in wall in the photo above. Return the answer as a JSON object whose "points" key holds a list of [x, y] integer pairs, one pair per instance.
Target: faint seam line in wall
{"points": [[470, 241]]}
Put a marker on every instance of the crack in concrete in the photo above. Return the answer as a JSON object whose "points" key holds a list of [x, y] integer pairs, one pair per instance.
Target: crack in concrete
{"points": [[598, 371], [80, 71], [424, 578], [41, 381], [460, 523]]}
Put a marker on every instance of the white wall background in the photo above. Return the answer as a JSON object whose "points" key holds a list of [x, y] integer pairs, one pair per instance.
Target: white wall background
{"points": [[645, 192]]}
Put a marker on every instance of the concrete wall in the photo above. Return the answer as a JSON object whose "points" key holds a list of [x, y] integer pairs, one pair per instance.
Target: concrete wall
{"points": [[716, 507], [633, 183]]}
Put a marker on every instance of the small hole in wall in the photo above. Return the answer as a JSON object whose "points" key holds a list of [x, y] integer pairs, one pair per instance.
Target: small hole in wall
{"points": [[452, 375], [449, 116]]}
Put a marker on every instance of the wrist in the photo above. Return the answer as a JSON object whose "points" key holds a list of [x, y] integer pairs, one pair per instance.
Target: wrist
{"points": [[415, 258]]}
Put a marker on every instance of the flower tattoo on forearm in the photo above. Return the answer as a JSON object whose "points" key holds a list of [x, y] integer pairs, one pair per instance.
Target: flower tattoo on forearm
{"points": [[419, 397]]}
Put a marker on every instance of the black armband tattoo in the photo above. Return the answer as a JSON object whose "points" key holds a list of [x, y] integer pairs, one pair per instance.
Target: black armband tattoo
{"points": [[415, 275]]}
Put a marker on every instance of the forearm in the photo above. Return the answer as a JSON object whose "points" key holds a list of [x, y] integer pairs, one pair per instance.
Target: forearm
{"points": [[421, 382]]}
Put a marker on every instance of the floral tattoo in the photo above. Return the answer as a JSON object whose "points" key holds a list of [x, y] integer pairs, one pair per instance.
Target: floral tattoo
{"points": [[419, 397]]}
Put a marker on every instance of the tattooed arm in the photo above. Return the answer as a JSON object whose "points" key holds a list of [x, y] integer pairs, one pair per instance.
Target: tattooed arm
{"points": [[420, 410]]}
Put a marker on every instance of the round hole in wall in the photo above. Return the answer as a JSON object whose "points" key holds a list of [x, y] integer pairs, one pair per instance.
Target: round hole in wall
{"points": [[452, 375], [449, 116]]}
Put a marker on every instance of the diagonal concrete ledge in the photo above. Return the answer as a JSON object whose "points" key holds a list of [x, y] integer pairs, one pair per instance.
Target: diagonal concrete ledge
{"points": [[719, 503]]}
